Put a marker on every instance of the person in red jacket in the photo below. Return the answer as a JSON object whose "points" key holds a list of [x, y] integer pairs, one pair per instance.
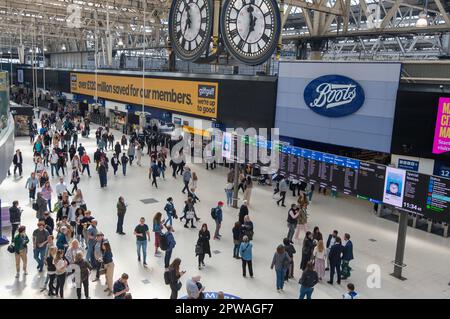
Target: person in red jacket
{"points": [[85, 161]]}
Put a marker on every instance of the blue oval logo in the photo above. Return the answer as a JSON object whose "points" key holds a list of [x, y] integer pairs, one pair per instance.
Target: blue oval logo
{"points": [[334, 95]]}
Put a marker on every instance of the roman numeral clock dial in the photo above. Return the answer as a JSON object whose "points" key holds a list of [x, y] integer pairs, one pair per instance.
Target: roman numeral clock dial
{"points": [[190, 27], [250, 29]]}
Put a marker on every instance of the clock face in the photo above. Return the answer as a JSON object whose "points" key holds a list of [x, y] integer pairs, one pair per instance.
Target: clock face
{"points": [[250, 29], [190, 27]]}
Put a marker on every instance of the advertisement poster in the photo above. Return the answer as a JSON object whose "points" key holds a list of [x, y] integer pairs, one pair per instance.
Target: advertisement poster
{"points": [[394, 186], [20, 76], [191, 97], [226, 145], [441, 142]]}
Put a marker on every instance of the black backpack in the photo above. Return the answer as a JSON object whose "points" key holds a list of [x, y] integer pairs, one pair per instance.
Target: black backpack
{"points": [[167, 277], [213, 213], [163, 244]]}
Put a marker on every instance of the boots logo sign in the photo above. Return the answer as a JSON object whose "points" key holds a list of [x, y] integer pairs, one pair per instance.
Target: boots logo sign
{"points": [[334, 95]]}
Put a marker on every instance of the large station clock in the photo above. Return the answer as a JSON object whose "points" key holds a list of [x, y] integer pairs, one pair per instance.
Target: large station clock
{"points": [[190, 27], [250, 29]]}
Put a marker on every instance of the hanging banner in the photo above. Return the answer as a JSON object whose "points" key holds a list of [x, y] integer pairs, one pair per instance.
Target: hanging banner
{"points": [[191, 97], [441, 142]]}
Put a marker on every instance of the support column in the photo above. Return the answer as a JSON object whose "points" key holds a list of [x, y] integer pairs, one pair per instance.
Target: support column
{"points": [[301, 50], [401, 243], [236, 175]]}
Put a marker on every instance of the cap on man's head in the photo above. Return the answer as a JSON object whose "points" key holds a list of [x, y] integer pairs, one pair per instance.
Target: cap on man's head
{"points": [[220, 203]]}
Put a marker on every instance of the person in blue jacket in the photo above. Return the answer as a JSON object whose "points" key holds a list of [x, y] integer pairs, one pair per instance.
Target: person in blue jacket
{"points": [[170, 210], [170, 246], [218, 216], [347, 256], [245, 250]]}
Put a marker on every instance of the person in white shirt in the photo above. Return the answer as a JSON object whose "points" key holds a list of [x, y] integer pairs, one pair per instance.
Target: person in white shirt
{"points": [[54, 162], [71, 216], [61, 187], [351, 293]]}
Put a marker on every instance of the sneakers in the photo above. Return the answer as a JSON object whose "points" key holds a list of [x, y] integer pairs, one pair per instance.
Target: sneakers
{"points": [[186, 226], [17, 275], [193, 226], [145, 264]]}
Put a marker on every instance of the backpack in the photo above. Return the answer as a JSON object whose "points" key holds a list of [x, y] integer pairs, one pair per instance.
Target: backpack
{"points": [[163, 243], [213, 213], [167, 277]]}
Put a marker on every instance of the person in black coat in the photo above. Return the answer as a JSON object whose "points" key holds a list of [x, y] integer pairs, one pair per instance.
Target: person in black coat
{"points": [[347, 256], [49, 223], [203, 245], [243, 211], [290, 249], [15, 214], [102, 173], [118, 149], [307, 250], [335, 257], [18, 161]]}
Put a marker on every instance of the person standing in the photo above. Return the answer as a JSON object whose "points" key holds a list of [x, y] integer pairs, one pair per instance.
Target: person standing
{"points": [[243, 211], [75, 179], [174, 275], [142, 234], [290, 249], [85, 161], [139, 154], [15, 216], [319, 254], [217, 216], [248, 189], [237, 232], [158, 225], [170, 210], [102, 173], [51, 271], [170, 246], [330, 242], [40, 239], [347, 256], [281, 262], [54, 158], [108, 263], [292, 221], [335, 257], [154, 173], [124, 161], [245, 250], [131, 152], [307, 250], [307, 282], [186, 179], [61, 268], [283, 187], [83, 280], [18, 162], [229, 193], [40, 206], [203, 248], [351, 293], [91, 234], [124, 142], [46, 193], [32, 184], [117, 149], [302, 221], [121, 210], [115, 162], [20, 250]]}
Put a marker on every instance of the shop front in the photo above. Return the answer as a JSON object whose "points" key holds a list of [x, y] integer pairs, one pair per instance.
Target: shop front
{"points": [[23, 115]]}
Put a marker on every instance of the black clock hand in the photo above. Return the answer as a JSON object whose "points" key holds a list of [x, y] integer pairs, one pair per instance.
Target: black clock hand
{"points": [[188, 19]]}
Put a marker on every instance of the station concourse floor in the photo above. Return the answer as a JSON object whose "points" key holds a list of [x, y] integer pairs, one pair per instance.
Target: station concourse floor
{"points": [[427, 256]]}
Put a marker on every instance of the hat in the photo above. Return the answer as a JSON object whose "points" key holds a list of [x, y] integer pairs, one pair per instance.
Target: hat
{"points": [[220, 203]]}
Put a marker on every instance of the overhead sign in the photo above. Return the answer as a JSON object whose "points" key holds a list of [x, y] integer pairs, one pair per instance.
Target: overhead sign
{"points": [[191, 97], [441, 142], [334, 95]]}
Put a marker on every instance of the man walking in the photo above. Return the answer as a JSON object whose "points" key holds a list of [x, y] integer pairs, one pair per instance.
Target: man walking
{"points": [[186, 179], [142, 234], [283, 187], [292, 220], [18, 161], [40, 239], [121, 210], [217, 216]]}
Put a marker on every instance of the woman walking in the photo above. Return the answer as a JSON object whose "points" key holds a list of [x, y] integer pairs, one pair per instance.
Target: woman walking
{"points": [[75, 179], [32, 184], [229, 193], [320, 255], [237, 231], [139, 154], [107, 259], [203, 248], [158, 225], [46, 193], [61, 268], [307, 250], [174, 274], [281, 262], [307, 282], [20, 250], [51, 271], [245, 250], [170, 211]]}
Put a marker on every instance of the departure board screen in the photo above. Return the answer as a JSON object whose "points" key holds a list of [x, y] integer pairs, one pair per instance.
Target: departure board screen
{"points": [[427, 196], [371, 181]]}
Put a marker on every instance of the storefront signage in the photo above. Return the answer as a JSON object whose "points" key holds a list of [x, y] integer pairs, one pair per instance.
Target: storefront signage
{"points": [[441, 142], [191, 97], [408, 164], [334, 95]]}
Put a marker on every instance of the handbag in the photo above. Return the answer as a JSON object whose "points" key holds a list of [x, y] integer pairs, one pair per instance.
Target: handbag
{"points": [[190, 214], [11, 249]]}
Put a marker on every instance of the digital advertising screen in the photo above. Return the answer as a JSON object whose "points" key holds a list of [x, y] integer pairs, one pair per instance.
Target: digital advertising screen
{"points": [[441, 141], [370, 181], [394, 186], [226, 145]]}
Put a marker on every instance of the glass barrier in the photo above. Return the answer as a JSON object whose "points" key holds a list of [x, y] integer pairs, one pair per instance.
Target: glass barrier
{"points": [[4, 100]]}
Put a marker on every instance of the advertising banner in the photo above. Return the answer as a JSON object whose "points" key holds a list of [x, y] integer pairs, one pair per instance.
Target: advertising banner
{"points": [[191, 97], [441, 142], [394, 186]]}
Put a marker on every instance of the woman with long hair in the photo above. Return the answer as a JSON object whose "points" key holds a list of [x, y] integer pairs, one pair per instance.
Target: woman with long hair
{"points": [[174, 274], [248, 189], [157, 229], [307, 250], [320, 255], [61, 267], [109, 267], [203, 248]]}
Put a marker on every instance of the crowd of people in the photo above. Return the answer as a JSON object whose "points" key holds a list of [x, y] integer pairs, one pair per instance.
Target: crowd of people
{"points": [[69, 245]]}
